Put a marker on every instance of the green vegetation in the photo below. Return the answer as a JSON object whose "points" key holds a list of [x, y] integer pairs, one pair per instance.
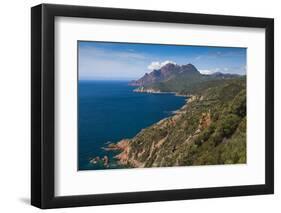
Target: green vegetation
{"points": [[210, 129]]}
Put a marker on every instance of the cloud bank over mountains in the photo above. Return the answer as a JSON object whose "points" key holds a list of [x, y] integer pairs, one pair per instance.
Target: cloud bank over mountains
{"points": [[156, 65], [128, 61]]}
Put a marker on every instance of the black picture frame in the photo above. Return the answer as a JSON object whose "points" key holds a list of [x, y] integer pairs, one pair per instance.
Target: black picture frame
{"points": [[43, 111]]}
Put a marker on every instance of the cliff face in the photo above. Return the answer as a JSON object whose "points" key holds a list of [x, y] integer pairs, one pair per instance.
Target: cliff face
{"points": [[209, 129], [169, 71], [185, 79]]}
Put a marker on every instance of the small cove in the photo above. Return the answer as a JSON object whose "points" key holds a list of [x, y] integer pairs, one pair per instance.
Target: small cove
{"points": [[109, 111]]}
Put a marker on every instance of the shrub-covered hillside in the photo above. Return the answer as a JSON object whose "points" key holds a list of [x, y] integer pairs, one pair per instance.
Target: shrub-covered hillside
{"points": [[210, 129]]}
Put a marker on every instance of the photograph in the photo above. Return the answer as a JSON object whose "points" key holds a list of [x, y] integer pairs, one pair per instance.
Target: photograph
{"points": [[146, 105], [132, 105]]}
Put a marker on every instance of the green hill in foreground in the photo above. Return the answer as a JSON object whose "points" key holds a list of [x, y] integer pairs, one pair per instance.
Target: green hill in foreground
{"points": [[209, 129]]}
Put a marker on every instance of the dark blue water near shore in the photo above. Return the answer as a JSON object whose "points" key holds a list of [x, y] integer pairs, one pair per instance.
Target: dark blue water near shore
{"points": [[109, 111]]}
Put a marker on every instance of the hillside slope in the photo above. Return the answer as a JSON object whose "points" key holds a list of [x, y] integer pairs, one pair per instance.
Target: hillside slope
{"points": [[210, 129]]}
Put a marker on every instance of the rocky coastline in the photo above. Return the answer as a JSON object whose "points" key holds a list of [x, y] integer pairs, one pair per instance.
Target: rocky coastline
{"points": [[153, 91], [209, 129], [204, 131], [124, 147]]}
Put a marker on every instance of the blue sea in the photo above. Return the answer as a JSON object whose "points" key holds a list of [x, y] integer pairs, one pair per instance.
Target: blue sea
{"points": [[109, 111]]}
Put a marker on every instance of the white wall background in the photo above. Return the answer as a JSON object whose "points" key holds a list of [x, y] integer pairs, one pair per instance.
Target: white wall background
{"points": [[15, 105]]}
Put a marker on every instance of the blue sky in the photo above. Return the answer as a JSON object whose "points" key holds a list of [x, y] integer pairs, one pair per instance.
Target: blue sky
{"points": [[128, 61]]}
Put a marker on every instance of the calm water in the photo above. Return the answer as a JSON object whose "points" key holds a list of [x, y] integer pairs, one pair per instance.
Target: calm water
{"points": [[110, 111]]}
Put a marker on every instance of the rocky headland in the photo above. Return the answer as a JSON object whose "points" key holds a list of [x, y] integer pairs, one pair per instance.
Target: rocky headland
{"points": [[209, 129]]}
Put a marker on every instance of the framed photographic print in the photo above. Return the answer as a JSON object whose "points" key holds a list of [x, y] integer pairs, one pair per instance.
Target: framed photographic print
{"points": [[139, 106]]}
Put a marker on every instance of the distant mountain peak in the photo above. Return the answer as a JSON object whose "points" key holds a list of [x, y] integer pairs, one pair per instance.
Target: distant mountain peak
{"points": [[168, 71], [223, 75]]}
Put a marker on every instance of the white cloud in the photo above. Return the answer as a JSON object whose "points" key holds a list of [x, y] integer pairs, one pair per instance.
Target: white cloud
{"points": [[209, 72], [155, 65], [206, 72]]}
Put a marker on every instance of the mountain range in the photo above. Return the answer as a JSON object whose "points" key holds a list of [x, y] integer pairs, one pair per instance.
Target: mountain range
{"points": [[173, 72]]}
